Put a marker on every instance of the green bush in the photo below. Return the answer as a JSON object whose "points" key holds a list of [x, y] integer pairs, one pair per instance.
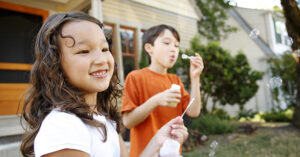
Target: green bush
{"points": [[212, 124], [246, 113], [279, 116], [222, 114]]}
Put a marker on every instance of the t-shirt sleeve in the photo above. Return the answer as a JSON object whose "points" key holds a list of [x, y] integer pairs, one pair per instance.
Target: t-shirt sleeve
{"points": [[130, 96], [185, 97], [60, 131]]}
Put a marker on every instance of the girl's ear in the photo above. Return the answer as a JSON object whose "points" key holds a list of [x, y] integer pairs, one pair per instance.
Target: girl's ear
{"points": [[148, 47]]}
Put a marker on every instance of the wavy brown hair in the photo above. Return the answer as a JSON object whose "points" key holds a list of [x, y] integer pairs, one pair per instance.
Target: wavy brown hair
{"points": [[50, 88]]}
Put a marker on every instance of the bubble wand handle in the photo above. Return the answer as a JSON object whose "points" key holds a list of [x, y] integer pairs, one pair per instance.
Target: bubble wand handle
{"points": [[188, 107]]}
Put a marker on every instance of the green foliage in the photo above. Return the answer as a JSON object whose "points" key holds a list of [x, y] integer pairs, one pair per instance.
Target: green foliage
{"points": [[222, 114], [271, 116], [213, 25], [225, 79], [285, 67], [144, 60], [211, 124], [279, 116], [246, 113]]}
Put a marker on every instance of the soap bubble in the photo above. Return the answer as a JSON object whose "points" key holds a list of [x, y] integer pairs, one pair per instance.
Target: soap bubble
{"points": [[254, 33], [211, 154], [297, 52], [214, 144], [291, 40], [275, 82], [203, 138]]}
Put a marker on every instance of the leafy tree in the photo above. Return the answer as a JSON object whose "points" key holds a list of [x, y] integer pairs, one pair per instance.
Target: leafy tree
{"points": [[292, 15], [225, 79], [213, 25], [285, 68], [144, 60]]}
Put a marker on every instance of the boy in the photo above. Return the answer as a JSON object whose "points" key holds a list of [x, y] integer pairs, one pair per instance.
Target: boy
{"points": [[148, 100]]}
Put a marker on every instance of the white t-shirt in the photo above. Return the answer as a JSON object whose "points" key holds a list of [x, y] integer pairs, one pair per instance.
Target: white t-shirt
{"points": [[61, 130]]}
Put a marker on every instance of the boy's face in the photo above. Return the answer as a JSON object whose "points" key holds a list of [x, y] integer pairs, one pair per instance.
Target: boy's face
{"points": [[165, 50], [87, 64]]}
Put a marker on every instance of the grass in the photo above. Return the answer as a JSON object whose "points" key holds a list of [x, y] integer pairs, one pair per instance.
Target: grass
{"points": [[268, 141]]}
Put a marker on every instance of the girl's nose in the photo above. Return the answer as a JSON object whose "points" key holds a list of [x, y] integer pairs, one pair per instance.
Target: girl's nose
{"points": [[99, 57]]}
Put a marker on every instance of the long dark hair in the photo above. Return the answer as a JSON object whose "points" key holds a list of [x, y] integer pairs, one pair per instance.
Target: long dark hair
{"points": [[51, 90]]}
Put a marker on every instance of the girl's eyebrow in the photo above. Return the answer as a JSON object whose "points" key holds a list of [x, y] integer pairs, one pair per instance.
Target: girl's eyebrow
{"points": [[81, 42], [86, 41]]}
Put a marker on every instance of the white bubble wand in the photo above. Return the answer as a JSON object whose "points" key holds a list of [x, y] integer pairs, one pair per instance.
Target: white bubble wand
{"points": [[191, 102]]}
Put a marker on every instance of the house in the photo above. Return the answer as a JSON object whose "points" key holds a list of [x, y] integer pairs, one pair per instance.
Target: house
{"points": [[125, 19], [271, 40]]}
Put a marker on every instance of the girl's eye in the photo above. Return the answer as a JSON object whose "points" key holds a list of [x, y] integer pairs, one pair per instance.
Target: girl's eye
{"points": [[176, 45], [166, 43], [105, 50], [83, 52]]}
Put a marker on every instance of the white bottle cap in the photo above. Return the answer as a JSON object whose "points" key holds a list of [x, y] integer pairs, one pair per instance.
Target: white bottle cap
{"points": [[170, 147]]}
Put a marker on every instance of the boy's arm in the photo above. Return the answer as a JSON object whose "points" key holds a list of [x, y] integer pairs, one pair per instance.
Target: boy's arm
{"points": [[140, 113], [196, 67]]}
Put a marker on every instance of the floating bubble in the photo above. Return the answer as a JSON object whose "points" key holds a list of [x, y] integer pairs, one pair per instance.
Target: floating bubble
{"points": [[203, 138], [291, 40], [275, 82], [254, 33], [214, 144], [203, 17], [184, 56], [297, 52], [211, 154]]}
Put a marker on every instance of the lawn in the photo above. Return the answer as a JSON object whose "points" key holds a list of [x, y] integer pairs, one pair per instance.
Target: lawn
{"points": [[269, 140]]}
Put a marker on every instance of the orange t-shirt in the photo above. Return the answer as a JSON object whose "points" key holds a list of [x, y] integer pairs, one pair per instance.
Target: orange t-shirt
{"points": [[140, 85]]}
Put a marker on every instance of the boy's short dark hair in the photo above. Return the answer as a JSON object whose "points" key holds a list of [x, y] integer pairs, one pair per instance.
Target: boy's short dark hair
{"points": [[152, 33]]}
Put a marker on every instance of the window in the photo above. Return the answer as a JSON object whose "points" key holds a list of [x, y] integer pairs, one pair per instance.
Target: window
{"points": [[128, 46]]}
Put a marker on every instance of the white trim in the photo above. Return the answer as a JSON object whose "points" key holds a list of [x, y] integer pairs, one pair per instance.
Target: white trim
{"points": [[10, 125]]}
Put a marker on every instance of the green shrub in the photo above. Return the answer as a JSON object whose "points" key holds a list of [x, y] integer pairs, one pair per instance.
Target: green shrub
{"points": [[246, 113], [279, 116], [211, 124], [222, 114]]}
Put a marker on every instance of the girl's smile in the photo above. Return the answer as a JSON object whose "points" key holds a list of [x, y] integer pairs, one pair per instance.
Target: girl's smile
{"points": [[100, 74]]}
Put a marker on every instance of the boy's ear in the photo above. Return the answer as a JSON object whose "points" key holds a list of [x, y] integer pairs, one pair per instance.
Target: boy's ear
{"points": [[148, 47]]}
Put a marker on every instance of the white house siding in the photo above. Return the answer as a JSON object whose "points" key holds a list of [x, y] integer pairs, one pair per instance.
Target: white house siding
{"points": [[136, 15], [256, 19], [240, 40]]}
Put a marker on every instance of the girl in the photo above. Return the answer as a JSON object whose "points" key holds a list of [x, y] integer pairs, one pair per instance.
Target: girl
{"points": [[71, 108]]}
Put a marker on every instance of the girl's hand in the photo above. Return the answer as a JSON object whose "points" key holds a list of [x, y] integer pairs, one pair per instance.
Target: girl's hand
{"points": [[174, 129], [196, 66]]}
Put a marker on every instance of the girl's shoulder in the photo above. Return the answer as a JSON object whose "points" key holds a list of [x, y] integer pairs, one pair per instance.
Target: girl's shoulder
{"points": [[60, 130], [59, 116], [61, 122]]}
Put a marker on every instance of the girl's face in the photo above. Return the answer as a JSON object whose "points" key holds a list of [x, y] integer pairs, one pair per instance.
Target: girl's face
{"points": [[87, 63]]}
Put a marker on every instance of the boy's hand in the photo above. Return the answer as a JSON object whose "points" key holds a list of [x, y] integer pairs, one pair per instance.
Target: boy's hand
{"points": [[167, 97], [196, 66]]}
